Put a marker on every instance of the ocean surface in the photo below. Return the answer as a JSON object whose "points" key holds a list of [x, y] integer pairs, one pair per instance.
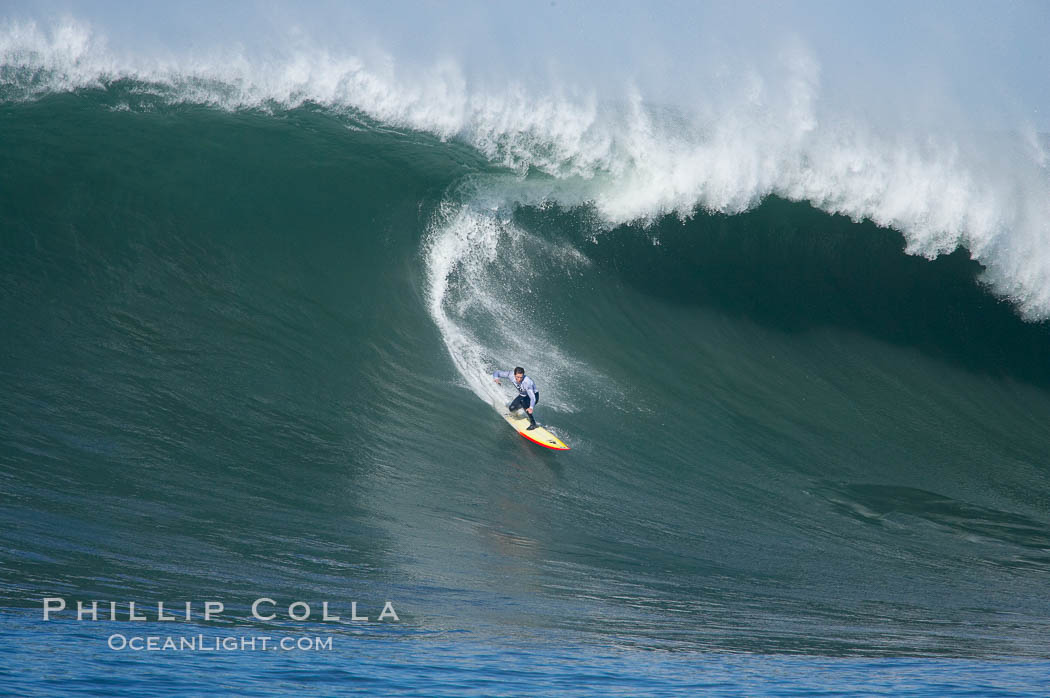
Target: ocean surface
{"points": [[247, 334]]}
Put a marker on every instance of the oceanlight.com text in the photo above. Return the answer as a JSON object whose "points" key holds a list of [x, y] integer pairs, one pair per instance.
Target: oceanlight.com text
{"points": [[212, 643]]}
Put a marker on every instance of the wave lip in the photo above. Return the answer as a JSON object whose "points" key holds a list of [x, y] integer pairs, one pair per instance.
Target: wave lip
{"points": [[765, 132]]}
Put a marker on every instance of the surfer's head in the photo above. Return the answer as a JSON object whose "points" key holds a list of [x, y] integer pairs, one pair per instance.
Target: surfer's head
{"points": [[519, 372]]}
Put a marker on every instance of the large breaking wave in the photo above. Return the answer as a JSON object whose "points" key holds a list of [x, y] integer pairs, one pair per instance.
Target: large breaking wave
{"points": [[764, 132], [216, 271]]}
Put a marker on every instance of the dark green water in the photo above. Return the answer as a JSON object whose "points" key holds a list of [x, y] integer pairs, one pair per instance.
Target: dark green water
{"points": [[225, 374]]}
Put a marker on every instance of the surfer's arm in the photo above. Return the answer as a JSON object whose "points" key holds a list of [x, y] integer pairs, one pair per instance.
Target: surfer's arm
{"points": [[530, 390], [496, 375]]}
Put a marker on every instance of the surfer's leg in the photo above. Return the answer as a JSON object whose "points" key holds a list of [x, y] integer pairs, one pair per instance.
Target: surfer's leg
{"points": [[532, 420]]}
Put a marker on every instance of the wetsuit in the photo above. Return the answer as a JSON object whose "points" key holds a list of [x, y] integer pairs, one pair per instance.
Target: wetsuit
{"points": [[528, 396]]}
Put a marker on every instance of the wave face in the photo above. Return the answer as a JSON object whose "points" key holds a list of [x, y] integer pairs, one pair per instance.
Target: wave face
{"points": [[248, 320]]}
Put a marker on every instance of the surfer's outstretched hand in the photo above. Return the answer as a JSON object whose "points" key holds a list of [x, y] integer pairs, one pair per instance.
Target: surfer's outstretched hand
{"points": [[495, 380]]}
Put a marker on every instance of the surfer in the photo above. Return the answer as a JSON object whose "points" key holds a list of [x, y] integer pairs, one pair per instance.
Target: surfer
{"points": [[528, 396]]}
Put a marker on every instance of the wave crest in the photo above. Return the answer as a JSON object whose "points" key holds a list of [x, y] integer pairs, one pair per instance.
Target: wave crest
{"points": [[760, 133]]}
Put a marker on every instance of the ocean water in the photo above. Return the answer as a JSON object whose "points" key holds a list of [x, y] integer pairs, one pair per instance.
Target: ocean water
{"points": [[248, 327]]}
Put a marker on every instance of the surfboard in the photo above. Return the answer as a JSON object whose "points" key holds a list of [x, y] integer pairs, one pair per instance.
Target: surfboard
{"points": [[539, 435]]}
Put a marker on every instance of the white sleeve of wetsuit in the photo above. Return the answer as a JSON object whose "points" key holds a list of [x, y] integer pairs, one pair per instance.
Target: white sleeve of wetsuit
{"points": [[501, 374]]}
